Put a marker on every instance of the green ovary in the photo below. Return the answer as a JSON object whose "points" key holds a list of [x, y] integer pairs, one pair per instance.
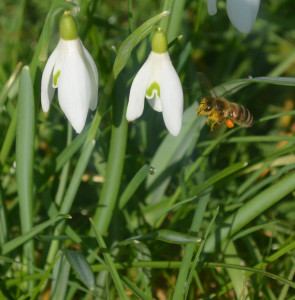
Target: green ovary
{"points": [[55, 78], [153, 87], [68, 27]]}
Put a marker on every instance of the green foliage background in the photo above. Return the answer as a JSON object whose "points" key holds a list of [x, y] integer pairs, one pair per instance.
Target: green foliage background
{"points": [[206, 215]]}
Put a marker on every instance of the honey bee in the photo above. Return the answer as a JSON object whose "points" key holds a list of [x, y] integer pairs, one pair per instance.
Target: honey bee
{"points": [[222, 111]]}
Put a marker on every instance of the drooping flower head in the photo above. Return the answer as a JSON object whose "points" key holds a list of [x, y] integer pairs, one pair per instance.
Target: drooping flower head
{"points": [[71, 70], [158, 82], [242, 13]]}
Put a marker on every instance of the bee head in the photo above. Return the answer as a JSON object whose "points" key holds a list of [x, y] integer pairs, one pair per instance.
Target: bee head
{"points": [[205, 107]]}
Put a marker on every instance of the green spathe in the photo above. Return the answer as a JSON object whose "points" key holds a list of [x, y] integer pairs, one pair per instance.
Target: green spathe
{"points": [[68, 27], [159, 42]]}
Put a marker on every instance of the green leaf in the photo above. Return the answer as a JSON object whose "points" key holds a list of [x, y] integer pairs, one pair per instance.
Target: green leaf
{"points": [[81, 267], [138, 178], [25, 137], [132, 40], [171, 151], [109, 262], [71, 149], [236, 276], [183, 279], [9, 84], [25, 148], [174, 237], [251, 210], [232, 87], [11, 245], [165, 235]]}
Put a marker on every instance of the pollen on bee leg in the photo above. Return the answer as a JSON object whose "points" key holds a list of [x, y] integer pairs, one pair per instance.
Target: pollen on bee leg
{"points": [[230, 124]]}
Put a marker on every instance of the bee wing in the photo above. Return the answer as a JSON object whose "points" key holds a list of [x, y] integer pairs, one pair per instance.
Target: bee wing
{"points": [[206, 85]]}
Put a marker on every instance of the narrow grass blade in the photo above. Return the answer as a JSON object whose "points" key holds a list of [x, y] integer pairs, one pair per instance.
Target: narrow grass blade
{"points": [[11, 245], [232, 87], [9, 84], [160, 210], [284, 291], [153, 212], [43, 280], [252, 271], [3, 219], [189, 249], [267, 260], [197, 256], [171, 151], [251, 210], [9, 138], [110, 265], [133, 185], [76, 178], [132, 40], [165, 235], [70, 195], [276, 116], [219, 176], [237, 277], [252, 229], [62, 287], [116, 160], [81, 267], [139, 293], [176, 18], [71, 149]]}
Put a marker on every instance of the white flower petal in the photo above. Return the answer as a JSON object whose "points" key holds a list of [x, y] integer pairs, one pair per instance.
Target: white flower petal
{"points": [[74, 88], [62, 49], [171, 96], [47, 91], [242, 13], [137, 91], [155, 103], [212, 8], [93, 75], [156, 66]]}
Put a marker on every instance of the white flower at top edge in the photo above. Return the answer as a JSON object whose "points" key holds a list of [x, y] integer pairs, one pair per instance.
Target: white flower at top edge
{"points": [[158, 81], [71, 70], [242, 13]]}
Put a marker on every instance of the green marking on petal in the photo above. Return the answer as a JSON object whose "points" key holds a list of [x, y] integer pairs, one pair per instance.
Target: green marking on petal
{"points": [[153, 87], [55, 78]]}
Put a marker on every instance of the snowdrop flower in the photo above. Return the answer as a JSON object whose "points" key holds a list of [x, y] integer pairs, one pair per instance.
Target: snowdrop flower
{"points": [[158, 81], [242, 13], [71, 70]]}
